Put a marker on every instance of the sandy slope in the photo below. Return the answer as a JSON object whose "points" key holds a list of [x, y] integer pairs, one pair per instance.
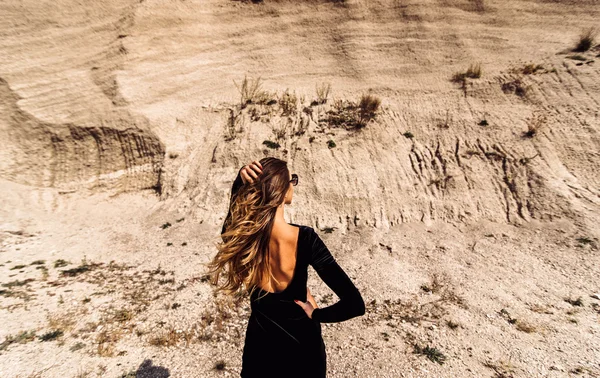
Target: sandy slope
{"points": [[113, 120]]}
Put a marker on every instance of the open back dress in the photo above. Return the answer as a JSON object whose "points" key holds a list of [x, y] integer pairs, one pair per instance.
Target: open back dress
{"points": [[281, 340]]}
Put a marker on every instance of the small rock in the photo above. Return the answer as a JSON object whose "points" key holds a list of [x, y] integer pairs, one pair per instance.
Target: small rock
{"points": [[596, 296]]}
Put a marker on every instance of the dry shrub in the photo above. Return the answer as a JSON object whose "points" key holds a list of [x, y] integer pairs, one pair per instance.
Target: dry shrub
{"points": [[251, 92], [342, 114], [515, 86], [280, 128], [413, 311], [221, 320], [303, 124], [436, 283], [83, 372], [586, 40], [458, 77], [578, 57], [106, 339], [216, 320], [22, 337], [534, 124], [350, 115], [529, 69], [540, 309], [64, 321], [234, 123], [441, 284], [323, 91], [123, 315], [369, 105], [288, 103], [474, 71], [166, 338], [503, 369], [525, 326]]}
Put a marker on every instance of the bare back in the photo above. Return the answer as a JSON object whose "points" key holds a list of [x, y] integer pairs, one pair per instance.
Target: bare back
{"points": [[283, 249]]}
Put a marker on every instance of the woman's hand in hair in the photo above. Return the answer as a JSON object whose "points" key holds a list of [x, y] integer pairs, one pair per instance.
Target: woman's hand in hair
{"points": [[251, 171]]}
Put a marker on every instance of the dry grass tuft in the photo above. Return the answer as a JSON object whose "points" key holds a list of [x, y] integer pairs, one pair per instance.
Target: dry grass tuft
{"points": [[525, 326], [288, 103], [221, 320], [441, 284], [369, 105], [251, 92], [574, 302], [106, 340], [452, 324], [323, 91], [586, 40], [530, 69], [342, 114], [64, 321], [534, 124], [83, 372], [21, 338], [473, 72], [502, 368], [280, 128], [234, 123], [166, 338], [350, 115], [541, 309], [435, 286]]}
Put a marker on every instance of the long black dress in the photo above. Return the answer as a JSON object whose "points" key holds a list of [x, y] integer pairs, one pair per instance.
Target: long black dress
{"points": [[281, 340]]}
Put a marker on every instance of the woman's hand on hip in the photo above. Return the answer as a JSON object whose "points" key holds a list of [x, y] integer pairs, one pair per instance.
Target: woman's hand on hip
{"points": [[306, 306], [310, 298], [309, 305]]}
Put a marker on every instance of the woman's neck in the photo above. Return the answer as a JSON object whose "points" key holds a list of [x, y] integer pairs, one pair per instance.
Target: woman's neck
{"points": [[279, 225]]}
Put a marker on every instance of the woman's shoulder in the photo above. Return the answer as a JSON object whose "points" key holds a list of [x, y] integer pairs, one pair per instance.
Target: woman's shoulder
{"points": [[307, 233], [303, 227]]}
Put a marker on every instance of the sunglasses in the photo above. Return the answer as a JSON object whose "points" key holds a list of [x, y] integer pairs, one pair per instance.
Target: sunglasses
{"points": [[294, 179]]}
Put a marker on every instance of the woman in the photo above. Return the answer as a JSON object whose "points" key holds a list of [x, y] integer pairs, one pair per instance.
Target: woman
{"points": [[268, 258]]}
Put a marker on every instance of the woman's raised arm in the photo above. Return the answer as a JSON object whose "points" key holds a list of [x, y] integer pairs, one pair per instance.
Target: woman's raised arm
{"points": [[242, 177]]}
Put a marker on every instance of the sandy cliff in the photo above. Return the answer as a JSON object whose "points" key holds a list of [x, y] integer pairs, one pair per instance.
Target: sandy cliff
{"points": [[120, 116]]}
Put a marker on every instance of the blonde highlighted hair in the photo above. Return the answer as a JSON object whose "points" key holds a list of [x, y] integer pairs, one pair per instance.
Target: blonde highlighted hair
{"points": [[243, 254]]}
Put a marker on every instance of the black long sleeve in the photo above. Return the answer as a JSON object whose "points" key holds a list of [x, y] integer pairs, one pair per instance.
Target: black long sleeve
{"points": [[351, 303], [237, 184]]}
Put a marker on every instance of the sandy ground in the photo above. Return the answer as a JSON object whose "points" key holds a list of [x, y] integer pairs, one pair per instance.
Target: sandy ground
{"points": [[122, 131]]}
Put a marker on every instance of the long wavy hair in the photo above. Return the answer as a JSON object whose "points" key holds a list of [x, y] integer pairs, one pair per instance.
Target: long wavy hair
{"points": [[243, 254]]}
